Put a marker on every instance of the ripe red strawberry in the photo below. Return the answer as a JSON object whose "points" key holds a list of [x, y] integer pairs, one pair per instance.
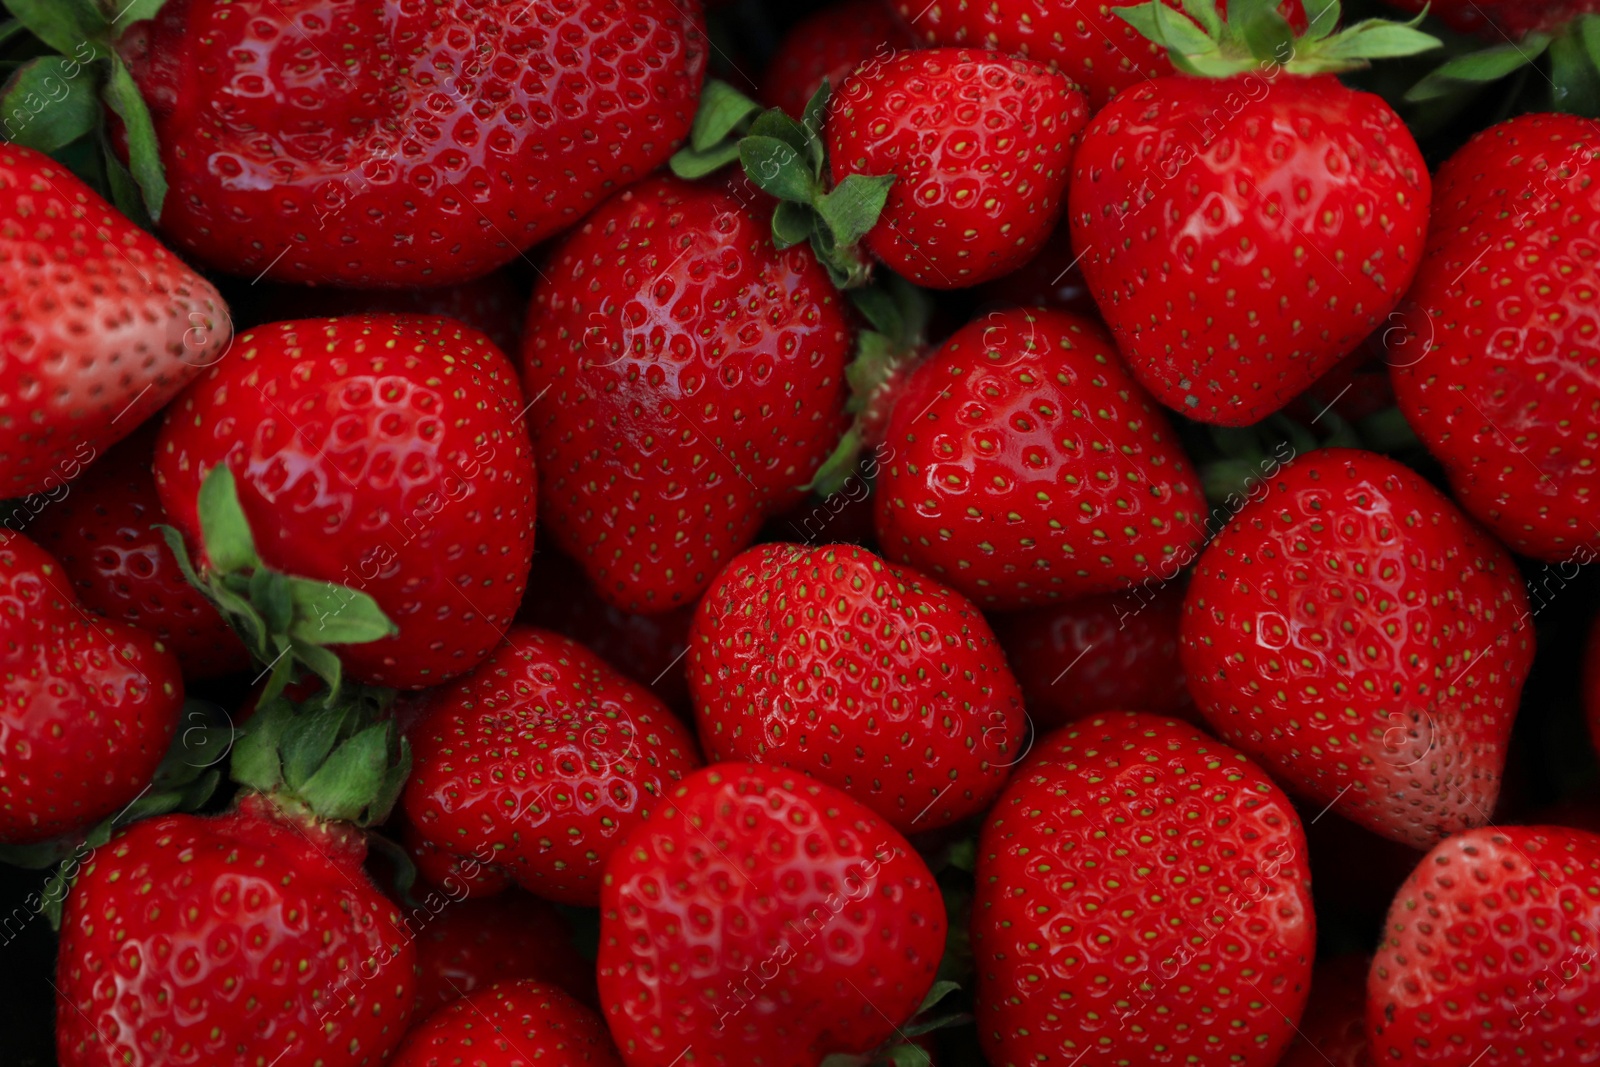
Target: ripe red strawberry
{"points": [[980, 146], [466, 943], [102, 324], [88, 706], [251, 937], [1488, 955], [1495, 366], [763, 919], [1243, 233], [1333, 1032], [881, 682], [511, 1024], [1358, 635], [687, 381], [649, 649], [380, 453], [445, 870], [829, 44], [1112, 652], [1142, 892], [547, 757], [1051, 279], [1503, 20], [363, 146], [1026, 466], [104, 533]]}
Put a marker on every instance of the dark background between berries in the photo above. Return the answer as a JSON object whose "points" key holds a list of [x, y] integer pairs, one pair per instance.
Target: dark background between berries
{"points": [[1551, 759]]}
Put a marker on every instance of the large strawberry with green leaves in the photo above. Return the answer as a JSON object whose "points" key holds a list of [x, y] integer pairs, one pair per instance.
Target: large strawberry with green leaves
{"points": [[102, 325], [1247, 223], [1023, 465], [1143, 893], [870, 677], [1493, 356], [357, 495], [1357, 634], [686, 381], [1488, 954]]}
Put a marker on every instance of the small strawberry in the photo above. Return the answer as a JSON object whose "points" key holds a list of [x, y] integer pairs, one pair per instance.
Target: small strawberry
{"points": [[382, 454], [88, 707], [1112, 652], [543, 758], [1358, 635], [1489, 954], [104, 533], [829, 45], [980, 147], [511, 1024], [687, 381], [466, 943], [1333, 1032], [102, 324], [252, 937], [1246, 224], [1142, 893], [762, 919], [1494, 360], [881, 682], [1025, 466], [364, 146]]}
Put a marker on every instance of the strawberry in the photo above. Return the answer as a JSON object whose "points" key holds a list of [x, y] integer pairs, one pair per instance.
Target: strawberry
{"points": [[980, 147], [361, 146], [1025, 466], [466, 943], [1051, 279], [382, 454], [1503, 20], [1244, 230], [543, 758], [647, 648], [445, 870], [1334, 1030], [1358, 635], [881, 682], [828, 45], [763, 919], [1493, 362], [1112, 652], [103, 325], [686, 379], [1142, 892], [511, 1024], [88, 709], [104, 534], [1488, 956]]}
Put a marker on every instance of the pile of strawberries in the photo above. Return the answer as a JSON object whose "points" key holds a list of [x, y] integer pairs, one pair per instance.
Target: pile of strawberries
{"points": [[1032, 532]]}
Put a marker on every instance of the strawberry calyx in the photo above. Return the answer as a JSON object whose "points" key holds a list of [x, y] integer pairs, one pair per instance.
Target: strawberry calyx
{"points": [[53, 102], [1257, 37], [1571, 81], [329, 758], [788, 160], [1249, 455], [286, 622]]}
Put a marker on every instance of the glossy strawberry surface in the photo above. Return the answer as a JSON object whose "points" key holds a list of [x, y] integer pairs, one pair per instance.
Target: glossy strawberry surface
{"points": [[1363, 639], [872, 678], [229, 941], [1489, 953], [542, 759], [383, 453], [762, 918], [104, 534], [1142, 892], [511, 1024], [361, 144], [1023, 465], [87, 709], [466, 943], [980, 146], [1494, 359], [686, 380], [99, 325], [1243, 234]]}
